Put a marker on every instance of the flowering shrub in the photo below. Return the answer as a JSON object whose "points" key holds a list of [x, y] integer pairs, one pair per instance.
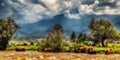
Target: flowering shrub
{"points": [[48, 50], [109, 51], [20, 49]]}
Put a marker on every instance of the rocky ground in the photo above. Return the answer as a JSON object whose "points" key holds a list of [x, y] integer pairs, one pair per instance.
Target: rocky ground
{"points": [[11, 55]]}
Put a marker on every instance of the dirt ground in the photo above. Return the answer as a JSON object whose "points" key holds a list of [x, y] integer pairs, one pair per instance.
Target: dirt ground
{"points": [[11, 55]]}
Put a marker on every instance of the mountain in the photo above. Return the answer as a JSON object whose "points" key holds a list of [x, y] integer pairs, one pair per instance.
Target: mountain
{"points": [[39, 28]]}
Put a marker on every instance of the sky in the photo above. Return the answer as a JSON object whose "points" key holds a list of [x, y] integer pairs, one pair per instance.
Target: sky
{"points": [[34, 12]]}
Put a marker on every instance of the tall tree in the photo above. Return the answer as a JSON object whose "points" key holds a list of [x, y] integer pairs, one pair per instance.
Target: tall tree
{"points": [[73, 37], [82, 37], [58, 27], [7, 28], [103, 29], [54, 39]]}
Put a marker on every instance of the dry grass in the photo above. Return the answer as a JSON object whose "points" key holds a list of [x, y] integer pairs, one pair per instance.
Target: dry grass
{"points": [[12, 55]]}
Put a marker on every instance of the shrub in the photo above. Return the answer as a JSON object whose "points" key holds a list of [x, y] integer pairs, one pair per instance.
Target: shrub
{"points": [[25, 44], [86, 43], [20, 49], [74, 47], [42, 45], [109, 51], [7, 28], [85, 49], [48, 50], [116, 50], [90, 50], [110, 41], [80, 49], [31, 43], [66, 49], [55, 41]]}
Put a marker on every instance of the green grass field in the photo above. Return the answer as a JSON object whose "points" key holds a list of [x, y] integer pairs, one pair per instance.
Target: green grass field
{"points": [[28, 48], [115, 47]]}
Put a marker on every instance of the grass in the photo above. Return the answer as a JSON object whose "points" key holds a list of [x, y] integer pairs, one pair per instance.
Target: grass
{"points": [[28, 48], [115, 47]]}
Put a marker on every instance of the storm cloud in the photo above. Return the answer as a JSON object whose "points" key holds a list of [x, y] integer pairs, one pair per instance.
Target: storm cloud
{"points": [[31, 11]]}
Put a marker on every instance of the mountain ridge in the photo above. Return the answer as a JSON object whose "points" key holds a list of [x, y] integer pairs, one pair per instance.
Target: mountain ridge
{"points": [[77, 25]]}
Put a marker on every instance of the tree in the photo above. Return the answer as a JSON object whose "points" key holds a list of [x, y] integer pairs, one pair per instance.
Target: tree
{"points": [[7, 28], [73, 37], [58, 27], [103, 29], [82, 37], [54, 39], [31, 43]]}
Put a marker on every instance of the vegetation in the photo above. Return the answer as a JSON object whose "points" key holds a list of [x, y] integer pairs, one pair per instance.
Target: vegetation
{"points": [[82, 37], [73, 37], [54, 40], [7, 28], [100, 31], [103, 29], [101, 39]]}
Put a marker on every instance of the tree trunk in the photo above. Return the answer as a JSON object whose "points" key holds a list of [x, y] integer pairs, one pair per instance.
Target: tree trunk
{"points": [[103, 45], [103, 40], [3, 43]]}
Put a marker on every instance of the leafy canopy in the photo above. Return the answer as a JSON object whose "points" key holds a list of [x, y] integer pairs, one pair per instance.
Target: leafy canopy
{"points": [[7, 28], [103, 27]]}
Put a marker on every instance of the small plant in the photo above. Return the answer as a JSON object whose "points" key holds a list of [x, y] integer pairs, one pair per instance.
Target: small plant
{"points": [[86, 43], [109, 51], [20, 49], [91, 51], [48, 50], [54, 39], [81, 49], [25, 44], [31, 43], [66, 49]]}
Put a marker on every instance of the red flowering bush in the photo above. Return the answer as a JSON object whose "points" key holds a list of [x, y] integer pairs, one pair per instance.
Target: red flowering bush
{"points": [[109, 51], [20, 49], [48, 50]]}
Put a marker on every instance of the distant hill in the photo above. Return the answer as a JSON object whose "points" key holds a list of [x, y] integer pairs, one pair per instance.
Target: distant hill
{"points": [[39, 29]]}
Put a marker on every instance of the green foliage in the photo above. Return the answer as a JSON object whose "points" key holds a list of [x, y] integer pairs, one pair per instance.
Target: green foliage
{"points": [[66, 48], [75, 45], [73, 37], [82, 37], [27, 48], [42, 44], [31, 43], [55, 40], [7, 28], [86, 43], [57, 27], [103, 29]]}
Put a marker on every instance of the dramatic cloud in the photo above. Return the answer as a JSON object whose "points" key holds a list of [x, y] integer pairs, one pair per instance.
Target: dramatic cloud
{"points": [[30, 11]]}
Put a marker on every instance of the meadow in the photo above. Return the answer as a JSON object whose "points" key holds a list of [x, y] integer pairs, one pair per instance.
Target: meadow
{"points": [[68, 52], [100, 44], [115, 47]]}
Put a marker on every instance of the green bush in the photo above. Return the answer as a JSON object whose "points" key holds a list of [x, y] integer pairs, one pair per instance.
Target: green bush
{"points": [[73, 46], [7, 28], [86, 42], [55, 41], [42, 44], [66, 49]]}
